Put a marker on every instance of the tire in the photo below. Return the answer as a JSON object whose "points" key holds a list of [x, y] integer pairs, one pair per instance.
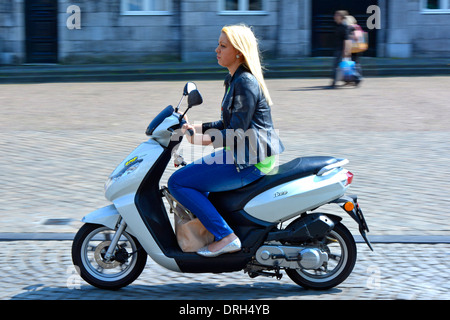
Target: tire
{"points": [[89, 245], [341, 239]]}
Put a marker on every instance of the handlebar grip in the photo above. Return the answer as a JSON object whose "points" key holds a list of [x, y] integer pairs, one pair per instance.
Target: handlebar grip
{"points": [[189, 131]]}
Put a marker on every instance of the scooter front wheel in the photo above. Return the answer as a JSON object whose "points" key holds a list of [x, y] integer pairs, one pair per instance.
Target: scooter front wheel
{"points": [[88, 255]]}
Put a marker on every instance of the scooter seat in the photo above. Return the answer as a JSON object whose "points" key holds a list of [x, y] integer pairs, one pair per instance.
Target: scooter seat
{"points": [[235, 200]]}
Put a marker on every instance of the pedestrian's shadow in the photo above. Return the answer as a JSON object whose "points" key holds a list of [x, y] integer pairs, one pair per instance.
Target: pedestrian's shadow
{"points": [[172, 291], [326, 88]]}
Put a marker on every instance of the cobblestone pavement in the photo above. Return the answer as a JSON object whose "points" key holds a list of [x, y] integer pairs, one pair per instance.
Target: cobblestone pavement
{"points": [[43, 271], [59, 142]]}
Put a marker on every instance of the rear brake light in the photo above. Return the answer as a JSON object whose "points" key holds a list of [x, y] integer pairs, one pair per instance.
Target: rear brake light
{"points": [[349, 178]]}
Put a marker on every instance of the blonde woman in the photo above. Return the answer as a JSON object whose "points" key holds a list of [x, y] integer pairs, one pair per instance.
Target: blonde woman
{"points": [[245, 133]]}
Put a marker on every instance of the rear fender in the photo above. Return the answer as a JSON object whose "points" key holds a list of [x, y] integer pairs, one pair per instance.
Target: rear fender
{"points": [[307, 227], [334, 218]]}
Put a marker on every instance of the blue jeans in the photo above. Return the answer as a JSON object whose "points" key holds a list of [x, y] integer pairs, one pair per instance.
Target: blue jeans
{"points": [[214, 173]]}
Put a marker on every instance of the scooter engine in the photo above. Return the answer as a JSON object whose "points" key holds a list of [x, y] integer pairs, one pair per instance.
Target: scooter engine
{"points": [[312, 258], [291, 257]]}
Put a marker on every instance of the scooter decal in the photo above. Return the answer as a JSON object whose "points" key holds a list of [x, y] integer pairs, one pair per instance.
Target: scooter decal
{"points": [[131, 161], [279, 194]]}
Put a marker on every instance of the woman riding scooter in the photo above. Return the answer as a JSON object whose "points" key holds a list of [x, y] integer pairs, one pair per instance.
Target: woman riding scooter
{"points": [[245, 131]]}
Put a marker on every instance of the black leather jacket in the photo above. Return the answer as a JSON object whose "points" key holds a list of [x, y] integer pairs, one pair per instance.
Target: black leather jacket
{"points": [[246, 125]]}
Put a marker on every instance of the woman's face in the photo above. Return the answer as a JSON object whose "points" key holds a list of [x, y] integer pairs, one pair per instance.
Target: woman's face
{"points": [[226, 53]]}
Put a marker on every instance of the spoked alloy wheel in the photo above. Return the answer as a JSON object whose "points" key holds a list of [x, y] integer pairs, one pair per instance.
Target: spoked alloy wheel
{"points": [[88, 255], [341, 249]]}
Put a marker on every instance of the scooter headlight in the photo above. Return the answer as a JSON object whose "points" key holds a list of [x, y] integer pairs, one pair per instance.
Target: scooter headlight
{"points": [[130, 167], [109, 182]]}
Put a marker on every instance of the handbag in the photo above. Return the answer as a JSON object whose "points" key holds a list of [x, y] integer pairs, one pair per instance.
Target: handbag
{"points": [[360, 40], [190, 232]]}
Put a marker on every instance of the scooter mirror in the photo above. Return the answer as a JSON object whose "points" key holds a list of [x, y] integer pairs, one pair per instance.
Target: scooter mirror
{"points": [[189, 86], [194, 98]]}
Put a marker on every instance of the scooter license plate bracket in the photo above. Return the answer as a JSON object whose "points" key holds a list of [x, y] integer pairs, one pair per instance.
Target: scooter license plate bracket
{"points": [[361, 218], [363, 227], [357, 215]]}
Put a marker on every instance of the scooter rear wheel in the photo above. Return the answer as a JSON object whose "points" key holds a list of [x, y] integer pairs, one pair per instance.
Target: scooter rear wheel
{"points": [[341, 248], [88, 249]]}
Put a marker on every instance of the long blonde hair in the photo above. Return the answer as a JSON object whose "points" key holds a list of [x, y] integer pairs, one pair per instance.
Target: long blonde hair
{"points": [[243, 39]]}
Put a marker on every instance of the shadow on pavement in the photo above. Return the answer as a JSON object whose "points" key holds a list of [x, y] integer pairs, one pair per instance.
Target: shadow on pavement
{"points": [[173, 291], [324, 87]]}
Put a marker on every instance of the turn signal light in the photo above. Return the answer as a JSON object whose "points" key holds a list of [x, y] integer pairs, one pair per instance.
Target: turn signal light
{"points": [[349, 206]]}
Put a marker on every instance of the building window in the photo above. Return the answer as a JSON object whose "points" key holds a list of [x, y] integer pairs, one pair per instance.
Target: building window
{"points": [[146, 7], [242, 6], [435, 6]]}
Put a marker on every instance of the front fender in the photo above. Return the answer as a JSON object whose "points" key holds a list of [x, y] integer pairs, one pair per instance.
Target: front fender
{"points": [[106, 216]]}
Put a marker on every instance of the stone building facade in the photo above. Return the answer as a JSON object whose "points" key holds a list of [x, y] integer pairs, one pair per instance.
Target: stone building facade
{"points": [[99, 31]]}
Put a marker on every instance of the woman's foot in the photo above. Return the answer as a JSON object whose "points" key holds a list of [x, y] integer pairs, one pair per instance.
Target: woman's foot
{"points": [[217, 245], [228, 244]]}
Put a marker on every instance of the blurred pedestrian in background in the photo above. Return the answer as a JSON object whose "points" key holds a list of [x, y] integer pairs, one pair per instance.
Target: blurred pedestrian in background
{"points": [[355, 33], [343, 43]]}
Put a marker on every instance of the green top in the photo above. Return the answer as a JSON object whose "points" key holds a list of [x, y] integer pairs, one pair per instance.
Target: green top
{"points": [[264, 166], [267, 164]]}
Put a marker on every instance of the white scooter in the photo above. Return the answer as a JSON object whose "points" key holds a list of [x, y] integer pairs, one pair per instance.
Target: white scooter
{"points": [[316, 250]]}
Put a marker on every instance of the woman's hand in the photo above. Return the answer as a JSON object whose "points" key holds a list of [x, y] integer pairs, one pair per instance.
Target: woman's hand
{"points": [[186, 127], [190, 129], [194, 138]]}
